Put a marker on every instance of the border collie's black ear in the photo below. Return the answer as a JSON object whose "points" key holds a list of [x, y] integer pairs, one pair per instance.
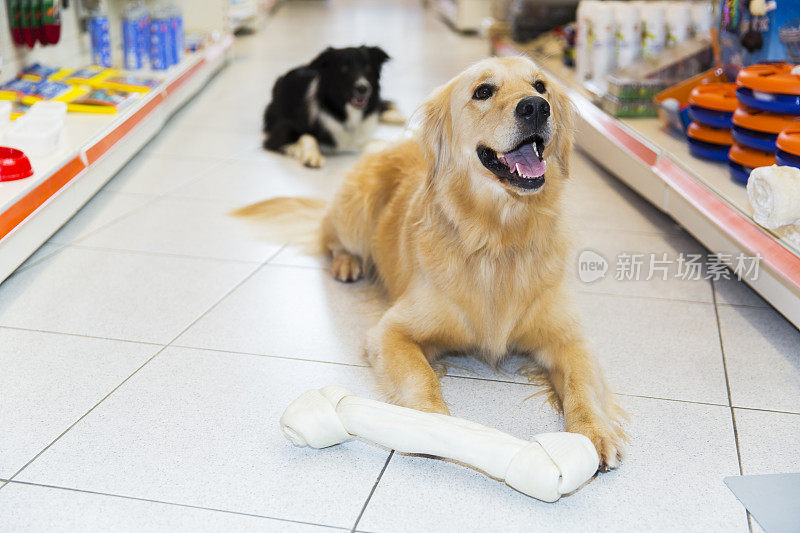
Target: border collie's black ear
{"points": [[377, 56], [321, 61]]}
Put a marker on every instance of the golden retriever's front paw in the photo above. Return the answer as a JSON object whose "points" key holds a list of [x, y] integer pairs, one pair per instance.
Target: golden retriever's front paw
{"points": [[346, 267], [608, 441]]}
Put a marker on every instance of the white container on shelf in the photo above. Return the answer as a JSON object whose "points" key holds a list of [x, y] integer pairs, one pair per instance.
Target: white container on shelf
{"points": [[5, 114], [48, 111], [654, 29], [604, 36], [628, 38], [584, 40], [702, 18], [679, 22], [37, 136]]}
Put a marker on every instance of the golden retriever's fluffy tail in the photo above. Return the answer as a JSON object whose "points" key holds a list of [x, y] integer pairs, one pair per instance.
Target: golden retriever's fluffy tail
{"points": [[292, 220]]}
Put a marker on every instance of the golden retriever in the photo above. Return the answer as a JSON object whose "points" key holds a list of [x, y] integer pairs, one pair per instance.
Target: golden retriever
{"points": [[463, 227]]}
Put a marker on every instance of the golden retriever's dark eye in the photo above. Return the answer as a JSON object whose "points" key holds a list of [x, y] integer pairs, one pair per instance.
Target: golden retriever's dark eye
{"points": [[483, 92], [539, 86]]}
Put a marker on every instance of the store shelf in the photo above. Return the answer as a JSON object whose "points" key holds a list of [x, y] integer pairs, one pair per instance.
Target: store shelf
{"points": [[697, 194], [92, 149]]}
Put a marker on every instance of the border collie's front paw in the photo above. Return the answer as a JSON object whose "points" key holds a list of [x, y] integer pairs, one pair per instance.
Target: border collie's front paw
{"points": [[313, 160], [306, 150]]}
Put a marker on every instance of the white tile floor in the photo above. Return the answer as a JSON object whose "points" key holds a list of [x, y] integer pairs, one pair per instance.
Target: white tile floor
{"points": [[148, 350]]}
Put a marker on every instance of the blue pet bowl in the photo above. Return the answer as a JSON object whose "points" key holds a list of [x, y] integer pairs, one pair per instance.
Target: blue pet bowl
{"points": [[785, 159], [704, 150], [774, 102], [710, 117], [739, 173], [757, 140]]}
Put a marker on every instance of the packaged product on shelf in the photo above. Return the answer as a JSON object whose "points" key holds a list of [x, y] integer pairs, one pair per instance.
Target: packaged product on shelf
{"points": [[79, 98], [604, 40], [702, 18], [628, 35], [107, 78], [159, 35], [749, 35], [38, 72], [101, 40], [627, 108], [51, 21], [654, 29], [584, 40], [131, 57], [679, 22]]}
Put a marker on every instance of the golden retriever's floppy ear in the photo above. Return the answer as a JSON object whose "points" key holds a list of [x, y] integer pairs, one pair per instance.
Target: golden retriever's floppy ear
{"points": [[564, 124], [436, 127]]}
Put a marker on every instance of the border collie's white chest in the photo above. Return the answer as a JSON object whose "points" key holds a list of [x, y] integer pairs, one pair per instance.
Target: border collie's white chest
{"points": [[354, 132]]}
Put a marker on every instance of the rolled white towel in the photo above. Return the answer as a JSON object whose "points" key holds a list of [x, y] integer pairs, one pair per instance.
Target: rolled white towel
{"points": [[774, 194], [790, 234]]}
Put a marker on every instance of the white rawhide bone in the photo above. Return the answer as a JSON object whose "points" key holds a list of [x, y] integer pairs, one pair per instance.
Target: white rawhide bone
{"points": [[550, 465], [774, 194]]}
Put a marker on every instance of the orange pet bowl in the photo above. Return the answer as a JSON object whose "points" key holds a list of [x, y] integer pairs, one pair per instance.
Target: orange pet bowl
{"points": [[699, 132], [747, 157], [764, 121], [789, 140], [716, 96], [770, 78]]}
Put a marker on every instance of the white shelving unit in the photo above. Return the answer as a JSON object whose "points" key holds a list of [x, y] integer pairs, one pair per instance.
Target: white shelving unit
{"points": [[92, 149]]}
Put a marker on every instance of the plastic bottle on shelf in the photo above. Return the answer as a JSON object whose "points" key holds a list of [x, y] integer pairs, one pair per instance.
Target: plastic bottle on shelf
{"points": [[100, 38], [679, 22], [143, 35], [175, 34], [604, 36], [584, 40], [654, 29], [628, 38], [159, 36], [131, 52], [702, 18]]}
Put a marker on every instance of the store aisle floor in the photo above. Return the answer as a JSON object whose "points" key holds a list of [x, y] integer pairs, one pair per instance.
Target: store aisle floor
{"points": [[149, 348]]}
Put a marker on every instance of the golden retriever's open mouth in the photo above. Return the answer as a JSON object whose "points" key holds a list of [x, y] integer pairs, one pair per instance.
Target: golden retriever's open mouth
{"points": [[521, 167]]}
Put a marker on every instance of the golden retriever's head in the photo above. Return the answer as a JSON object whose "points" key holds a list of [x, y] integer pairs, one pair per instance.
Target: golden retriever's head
{"points": [[502, 125]]}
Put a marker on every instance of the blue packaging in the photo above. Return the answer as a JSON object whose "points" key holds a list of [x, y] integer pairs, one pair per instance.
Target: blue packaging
{"points": [[179, 36], [159, 57], [172, 38], [101, 40], [143, 35], [130, 43]]}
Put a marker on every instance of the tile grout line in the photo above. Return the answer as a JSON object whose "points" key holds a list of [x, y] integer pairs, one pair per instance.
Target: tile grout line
{"points": [[151, 198], [192, 323], [730, 398], [234, 352], [371, 492], [81, 335], [161, 254], [164, 502]]}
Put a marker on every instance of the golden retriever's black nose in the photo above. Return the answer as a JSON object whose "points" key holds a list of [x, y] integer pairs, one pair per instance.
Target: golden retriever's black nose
{"points": [[533, 108]]}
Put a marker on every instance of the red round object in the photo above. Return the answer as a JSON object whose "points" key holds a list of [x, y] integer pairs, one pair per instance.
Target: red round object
{"points": [[14, 164]]}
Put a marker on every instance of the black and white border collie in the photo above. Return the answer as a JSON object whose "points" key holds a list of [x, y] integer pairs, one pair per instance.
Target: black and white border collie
{"points": [[333, 102]]}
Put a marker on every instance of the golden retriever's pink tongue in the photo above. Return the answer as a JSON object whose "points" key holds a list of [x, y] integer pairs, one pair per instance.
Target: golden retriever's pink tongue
{"points": [[525, 162]]}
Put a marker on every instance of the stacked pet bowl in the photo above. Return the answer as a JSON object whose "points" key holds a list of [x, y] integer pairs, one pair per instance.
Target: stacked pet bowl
{"points": [[769, 98], [788, 145], [711, 108]]}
